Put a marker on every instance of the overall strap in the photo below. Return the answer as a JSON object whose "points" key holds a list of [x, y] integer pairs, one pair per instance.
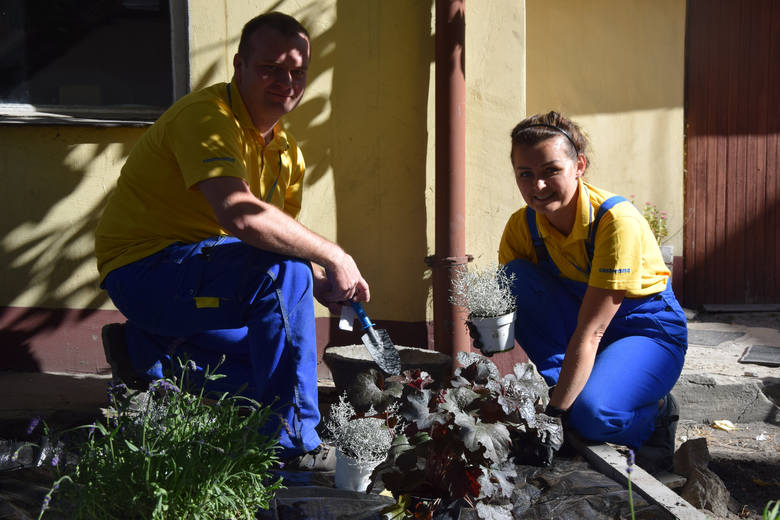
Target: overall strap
{"points": [[542, 256], [607, 205]]}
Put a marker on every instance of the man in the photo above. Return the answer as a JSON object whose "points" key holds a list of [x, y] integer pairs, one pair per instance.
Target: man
{"points": [[199, 247]]}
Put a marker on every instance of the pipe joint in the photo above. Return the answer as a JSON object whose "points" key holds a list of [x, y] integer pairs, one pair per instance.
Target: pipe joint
{"points": [[448, 261]]}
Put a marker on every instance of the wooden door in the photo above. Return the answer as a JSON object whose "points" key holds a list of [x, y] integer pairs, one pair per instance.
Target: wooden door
{"points": [[731, 249]]}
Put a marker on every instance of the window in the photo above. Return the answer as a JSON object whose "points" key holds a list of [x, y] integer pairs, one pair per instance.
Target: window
{"points": [[91, 60]]}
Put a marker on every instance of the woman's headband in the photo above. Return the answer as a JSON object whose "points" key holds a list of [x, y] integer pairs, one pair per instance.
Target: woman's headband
{"points": [[558, 129]]}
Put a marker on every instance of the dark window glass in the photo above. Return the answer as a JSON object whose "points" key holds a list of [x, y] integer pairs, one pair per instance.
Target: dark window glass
{"points": [[86, 53]]}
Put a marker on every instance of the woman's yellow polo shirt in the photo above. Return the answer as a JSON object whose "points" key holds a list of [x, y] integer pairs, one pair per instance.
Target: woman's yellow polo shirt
{"points": [[626, 254]]}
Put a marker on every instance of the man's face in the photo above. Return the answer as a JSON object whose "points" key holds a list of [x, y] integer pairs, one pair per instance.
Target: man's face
{"points": [[272, 77]]}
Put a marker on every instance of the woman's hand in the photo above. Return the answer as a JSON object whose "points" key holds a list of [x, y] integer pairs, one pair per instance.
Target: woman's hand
{"points": [[596, 312]]}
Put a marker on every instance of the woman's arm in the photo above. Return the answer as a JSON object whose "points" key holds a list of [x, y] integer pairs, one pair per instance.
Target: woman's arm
{"points": [[596, 312]]}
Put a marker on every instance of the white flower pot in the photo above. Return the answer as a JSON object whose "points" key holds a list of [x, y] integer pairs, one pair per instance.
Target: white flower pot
{"points": [[497, 334], [352, 474]]}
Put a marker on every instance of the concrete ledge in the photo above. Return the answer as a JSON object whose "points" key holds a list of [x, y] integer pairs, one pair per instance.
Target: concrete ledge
{"points": [[708, 397]]}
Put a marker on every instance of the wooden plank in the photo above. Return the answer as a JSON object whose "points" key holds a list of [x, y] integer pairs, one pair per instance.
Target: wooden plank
{"points": [[607, 460], [708, 232], [696, 93], [721, 142], [773, 159]]}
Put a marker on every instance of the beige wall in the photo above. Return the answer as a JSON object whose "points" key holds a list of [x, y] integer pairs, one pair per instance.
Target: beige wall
{"points": [[617, 68]]}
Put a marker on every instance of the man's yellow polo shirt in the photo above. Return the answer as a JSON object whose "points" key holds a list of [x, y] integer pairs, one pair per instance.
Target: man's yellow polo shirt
{"points": [[205, 134], [626, 254]]}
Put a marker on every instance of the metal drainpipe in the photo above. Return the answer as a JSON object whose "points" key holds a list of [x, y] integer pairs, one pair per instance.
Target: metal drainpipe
{"points": [[449, 334]]}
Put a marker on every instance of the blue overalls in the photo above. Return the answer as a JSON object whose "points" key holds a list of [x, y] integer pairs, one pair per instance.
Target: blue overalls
{"points": [[640, 357], [221, 296]]}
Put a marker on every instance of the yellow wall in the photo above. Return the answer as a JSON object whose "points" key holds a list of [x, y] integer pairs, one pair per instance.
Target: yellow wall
{"points": [[366, 125], [55, 181], [617, 68]]}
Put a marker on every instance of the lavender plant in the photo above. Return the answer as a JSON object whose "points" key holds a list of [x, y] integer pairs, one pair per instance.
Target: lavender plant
{"points": [[169, 454], [364, 437], [483, 292]]}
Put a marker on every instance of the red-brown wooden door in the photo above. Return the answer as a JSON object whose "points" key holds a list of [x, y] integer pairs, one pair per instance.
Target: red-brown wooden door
{"points": [[731, 249]]}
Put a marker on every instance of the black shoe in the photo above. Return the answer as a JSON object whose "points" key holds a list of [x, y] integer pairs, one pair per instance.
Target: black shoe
{"points": [[115, 349], [657, 454], [321, 458]]}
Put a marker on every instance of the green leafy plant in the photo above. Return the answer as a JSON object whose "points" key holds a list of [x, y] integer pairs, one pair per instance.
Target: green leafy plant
{"points": [[772, 510], [459, 440], [170, 454], [485, 292]]}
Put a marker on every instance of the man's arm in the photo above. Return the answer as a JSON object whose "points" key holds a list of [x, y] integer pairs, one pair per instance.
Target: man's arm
{"points": [[596, 312], [266, 227]]}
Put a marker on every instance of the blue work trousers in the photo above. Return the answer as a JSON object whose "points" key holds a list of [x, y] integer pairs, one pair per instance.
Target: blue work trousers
{"points": [[223, 297], [639, 360]]}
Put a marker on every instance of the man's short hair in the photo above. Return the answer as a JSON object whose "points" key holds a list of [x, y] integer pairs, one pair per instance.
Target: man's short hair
{"points": [[284, 23]]}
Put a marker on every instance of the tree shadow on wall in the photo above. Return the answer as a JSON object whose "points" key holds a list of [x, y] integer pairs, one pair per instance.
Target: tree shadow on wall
{"points": [[44, 259]]}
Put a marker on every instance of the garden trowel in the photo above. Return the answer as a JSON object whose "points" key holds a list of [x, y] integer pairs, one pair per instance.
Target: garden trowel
{"points": [[378, 343]]}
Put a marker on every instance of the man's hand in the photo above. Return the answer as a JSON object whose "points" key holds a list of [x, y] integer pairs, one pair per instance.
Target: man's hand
{"points": [[346, 283], [335, 286]]}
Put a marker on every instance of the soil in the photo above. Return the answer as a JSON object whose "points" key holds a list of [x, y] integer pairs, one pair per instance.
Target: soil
{"points": [[747, 460]]}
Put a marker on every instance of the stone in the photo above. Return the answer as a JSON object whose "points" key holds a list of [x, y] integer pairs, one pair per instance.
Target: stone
{"points": [[705, 490], [691, 454], [348, 361]]}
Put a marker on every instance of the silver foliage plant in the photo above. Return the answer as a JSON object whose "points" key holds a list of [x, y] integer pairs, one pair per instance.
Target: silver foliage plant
{"points": [[364, 438], [485, 292]]}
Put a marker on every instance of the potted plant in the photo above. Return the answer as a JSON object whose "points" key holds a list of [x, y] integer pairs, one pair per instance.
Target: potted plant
{"points": [[362, 441], [460, 443], [487, 295]]}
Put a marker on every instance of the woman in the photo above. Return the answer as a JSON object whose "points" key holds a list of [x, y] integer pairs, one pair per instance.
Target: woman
{"points": [[595, 309]]}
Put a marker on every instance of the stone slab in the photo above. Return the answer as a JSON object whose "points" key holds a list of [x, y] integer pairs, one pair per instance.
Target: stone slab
{"points": [[706, 398], [711, 338], [768, 355]]}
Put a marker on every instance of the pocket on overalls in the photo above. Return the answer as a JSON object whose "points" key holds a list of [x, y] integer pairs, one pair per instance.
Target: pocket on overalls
{"points": [[192, 262]]}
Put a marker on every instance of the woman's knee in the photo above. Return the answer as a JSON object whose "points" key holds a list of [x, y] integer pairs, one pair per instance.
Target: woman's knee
{"points": [[595, 422]]}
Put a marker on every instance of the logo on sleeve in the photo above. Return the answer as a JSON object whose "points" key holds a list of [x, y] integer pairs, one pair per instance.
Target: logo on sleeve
{"points": [[623, 270]]}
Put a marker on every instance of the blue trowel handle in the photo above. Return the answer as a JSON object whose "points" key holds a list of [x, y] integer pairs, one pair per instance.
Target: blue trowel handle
{"points": [[365, 322]]}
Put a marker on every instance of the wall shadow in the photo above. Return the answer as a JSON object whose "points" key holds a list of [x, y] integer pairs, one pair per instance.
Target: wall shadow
{"points": [[41, 255]]}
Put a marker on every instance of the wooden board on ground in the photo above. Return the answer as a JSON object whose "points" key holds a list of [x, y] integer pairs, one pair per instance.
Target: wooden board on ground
{"points": [[607, 460]]}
